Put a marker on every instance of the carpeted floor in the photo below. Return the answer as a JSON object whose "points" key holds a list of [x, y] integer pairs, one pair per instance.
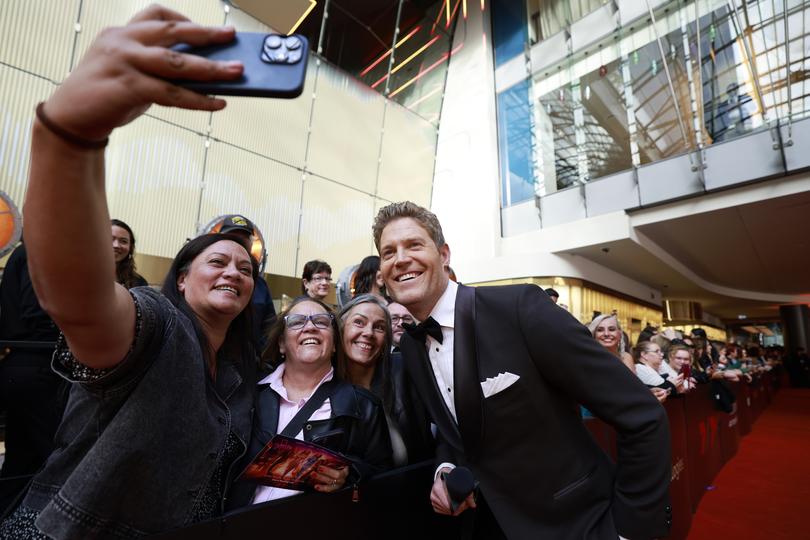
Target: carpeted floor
{"points": [[764, 491]]}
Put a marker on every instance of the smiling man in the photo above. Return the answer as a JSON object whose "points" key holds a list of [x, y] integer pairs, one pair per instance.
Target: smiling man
{"points": [[501, 371]]}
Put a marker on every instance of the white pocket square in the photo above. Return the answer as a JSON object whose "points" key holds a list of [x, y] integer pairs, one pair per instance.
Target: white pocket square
{"points": [[499, 383]]}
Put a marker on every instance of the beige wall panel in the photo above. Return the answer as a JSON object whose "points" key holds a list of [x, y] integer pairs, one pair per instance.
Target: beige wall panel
{"points": [[154, 174], [264, 190], [346, 126], [271, 127], [99, 14], [408, 155], [37, 35], [19, 94], [336, 225]]}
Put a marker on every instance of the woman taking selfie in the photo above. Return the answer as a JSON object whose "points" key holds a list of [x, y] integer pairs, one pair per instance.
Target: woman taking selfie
{"points": [[305, 355], [163, 383]]}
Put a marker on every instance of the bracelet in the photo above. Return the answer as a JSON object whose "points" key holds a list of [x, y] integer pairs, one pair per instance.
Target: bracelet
{"points": [[66, 135]]}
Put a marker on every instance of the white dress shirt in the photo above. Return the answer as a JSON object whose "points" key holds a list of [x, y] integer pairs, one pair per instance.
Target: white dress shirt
{"points": [[441, 354]]}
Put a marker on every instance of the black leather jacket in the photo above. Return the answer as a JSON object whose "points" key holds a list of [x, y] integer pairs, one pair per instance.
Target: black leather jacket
{"points": [[356, 429]]}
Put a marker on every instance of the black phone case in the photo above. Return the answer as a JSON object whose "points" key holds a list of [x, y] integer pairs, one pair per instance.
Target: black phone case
{"points": [[267, 73]]}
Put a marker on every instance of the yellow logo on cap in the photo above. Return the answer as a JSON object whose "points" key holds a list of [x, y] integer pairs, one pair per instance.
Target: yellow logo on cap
{"points": [[239, 220]]}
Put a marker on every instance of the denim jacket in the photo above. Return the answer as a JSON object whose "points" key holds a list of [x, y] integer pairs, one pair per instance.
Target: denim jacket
{"points": [[137, 446]]}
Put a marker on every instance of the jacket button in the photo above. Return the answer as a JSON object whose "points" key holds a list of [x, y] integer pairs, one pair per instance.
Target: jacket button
{"points": [[668, 509], [221, 420], [308, 427]]}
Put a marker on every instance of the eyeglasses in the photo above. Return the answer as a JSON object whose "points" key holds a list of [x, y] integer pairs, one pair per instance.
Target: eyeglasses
{"points": [[659, 352], [298, 321], [405, 319], [321, 279]]}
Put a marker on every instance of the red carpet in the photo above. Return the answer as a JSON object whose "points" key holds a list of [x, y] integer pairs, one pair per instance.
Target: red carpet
{"points": [[764, 491]]}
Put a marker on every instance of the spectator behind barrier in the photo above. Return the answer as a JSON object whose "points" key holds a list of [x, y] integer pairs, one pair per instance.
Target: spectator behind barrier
{"points": [[366, 333], [367, 277], [305, 353], [174, 369], [678, 361], [123, 241], [648, 357], [31, 395], [264, 312], [607, 331], [316, 279], [554, 295], [400, 316]]}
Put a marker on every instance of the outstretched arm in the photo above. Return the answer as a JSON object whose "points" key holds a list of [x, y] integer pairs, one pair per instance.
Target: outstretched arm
{"points": [[67, 228]]}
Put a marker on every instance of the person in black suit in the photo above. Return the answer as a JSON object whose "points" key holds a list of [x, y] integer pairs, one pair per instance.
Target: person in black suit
{"points": [[501, 371]]}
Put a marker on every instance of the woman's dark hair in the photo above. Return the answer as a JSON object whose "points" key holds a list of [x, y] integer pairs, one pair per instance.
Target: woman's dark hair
{"points": [[365, 277], [382, 382], [272, 355], [312, 268], [125, 273], [240, 341]]}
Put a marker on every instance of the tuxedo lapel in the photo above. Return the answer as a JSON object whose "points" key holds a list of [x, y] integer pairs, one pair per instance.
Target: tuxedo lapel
{"points": [[417, 364], [468, 398]]}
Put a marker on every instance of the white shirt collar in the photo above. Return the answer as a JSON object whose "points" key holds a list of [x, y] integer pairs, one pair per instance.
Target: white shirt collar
{"points": [[276, 382], [444, 312]]}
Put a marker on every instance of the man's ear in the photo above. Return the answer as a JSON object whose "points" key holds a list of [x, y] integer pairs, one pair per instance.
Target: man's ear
{"points": [[444, 251]]}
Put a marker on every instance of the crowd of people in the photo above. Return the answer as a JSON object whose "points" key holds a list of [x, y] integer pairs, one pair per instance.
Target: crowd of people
{"points": [[192, 380]]}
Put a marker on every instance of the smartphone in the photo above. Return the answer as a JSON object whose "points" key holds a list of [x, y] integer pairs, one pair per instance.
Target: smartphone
{"points": [[275, 65]]}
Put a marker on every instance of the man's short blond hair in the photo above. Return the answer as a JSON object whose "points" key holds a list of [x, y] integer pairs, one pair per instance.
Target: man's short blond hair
{"points": [[407, 209]]}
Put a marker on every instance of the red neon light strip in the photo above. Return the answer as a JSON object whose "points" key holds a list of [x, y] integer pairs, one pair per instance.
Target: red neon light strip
{"points": [[426, 71], [385, 55], [438, 16], [453, 16], [411, 57]]}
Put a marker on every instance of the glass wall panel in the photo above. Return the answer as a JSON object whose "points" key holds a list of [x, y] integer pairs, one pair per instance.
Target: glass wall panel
{"points": [[346, 121], [267, 192], [509, 29], [516, 144], [732, 105], [37, 35], [337, 224], [661, 98], [559, 158], [547, 17], [154, 178], [407, 157], [20, 93]]}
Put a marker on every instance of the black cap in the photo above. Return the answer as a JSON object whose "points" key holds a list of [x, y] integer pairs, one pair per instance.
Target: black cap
{"points": [[552, 292], [236, 223]]}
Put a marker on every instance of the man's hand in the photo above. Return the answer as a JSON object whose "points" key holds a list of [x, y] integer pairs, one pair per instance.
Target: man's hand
{"points": [[329, 479], [440, 499]]}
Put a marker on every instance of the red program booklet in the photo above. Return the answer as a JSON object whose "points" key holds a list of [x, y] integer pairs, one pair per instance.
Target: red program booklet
{"points": [[290, 463]]}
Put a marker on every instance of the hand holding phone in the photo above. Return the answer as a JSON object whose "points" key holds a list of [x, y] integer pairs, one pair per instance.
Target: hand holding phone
{"points": [[274, 65]]}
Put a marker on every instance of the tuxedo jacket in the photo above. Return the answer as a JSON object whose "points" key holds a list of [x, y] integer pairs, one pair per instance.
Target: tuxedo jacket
{"points": [[537, 466]]}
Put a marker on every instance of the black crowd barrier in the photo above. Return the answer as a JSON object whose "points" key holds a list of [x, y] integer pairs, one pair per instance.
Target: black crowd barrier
{"points": [[395, 504]]}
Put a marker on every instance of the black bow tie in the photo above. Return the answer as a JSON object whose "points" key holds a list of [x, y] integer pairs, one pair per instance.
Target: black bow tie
{"points": [[428, 327]]}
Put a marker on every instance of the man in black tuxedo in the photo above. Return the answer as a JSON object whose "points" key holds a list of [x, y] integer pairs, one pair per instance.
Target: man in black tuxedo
{"points": [[501, 372]]}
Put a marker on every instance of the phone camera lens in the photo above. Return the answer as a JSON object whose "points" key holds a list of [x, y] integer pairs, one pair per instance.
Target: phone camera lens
{"points": [[280, 56], [292, 43], [273, 42]]}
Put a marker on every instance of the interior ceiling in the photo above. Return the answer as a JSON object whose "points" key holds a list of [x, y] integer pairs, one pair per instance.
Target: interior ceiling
{"points": [[760, 247]]}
